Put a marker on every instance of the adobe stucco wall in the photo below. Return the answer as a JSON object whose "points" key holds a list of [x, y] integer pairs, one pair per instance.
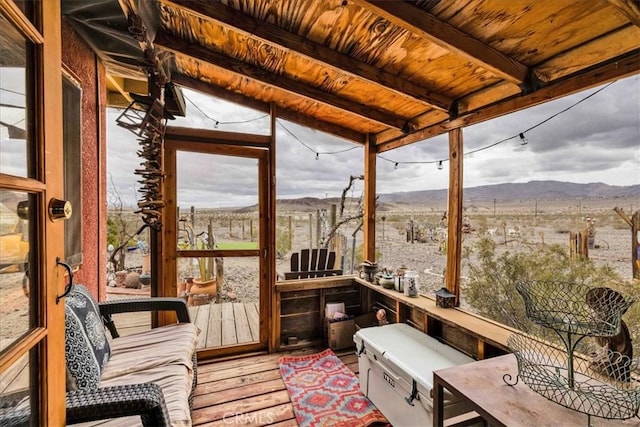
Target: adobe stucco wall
{"points": [[84, 67]]}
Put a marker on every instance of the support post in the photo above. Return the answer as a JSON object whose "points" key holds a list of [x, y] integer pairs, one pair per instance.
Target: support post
{"points": [[369, 219], [454, 217], [268, 299]]}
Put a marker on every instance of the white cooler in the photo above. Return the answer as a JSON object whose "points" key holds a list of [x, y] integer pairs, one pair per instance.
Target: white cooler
{"points": [[396, 364]]}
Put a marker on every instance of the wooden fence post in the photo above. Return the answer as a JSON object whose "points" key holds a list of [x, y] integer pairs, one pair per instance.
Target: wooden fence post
{"points": [[634, 223], [310, 231]]}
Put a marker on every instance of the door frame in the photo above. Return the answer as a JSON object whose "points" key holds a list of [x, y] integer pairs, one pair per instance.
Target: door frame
{"points": [[233, 145], [47, 280]]}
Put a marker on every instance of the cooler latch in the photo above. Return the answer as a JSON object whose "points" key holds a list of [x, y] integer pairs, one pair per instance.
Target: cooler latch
{"points": [[414, 393], [360, 351]]}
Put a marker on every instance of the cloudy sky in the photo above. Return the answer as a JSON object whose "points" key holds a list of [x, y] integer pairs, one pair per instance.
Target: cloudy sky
{"points": [[598, 140]]}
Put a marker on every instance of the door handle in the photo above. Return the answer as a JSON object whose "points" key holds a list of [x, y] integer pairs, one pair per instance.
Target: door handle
{"points": [[69, 285], [59, 209]]}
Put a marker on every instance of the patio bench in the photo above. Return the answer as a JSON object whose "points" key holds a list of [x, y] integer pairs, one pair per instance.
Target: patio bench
{"points": [[312, 263], [150, 375]]}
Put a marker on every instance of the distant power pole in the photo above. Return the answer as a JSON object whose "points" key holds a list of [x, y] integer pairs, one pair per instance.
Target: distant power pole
{"points": [[494, 206]]}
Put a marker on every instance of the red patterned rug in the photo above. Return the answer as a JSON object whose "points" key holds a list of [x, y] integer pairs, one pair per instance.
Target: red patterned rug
{"points": [[324, 392]]}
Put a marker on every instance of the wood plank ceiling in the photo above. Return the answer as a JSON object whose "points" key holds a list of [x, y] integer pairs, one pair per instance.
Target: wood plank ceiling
{"points": [[399, 71]]}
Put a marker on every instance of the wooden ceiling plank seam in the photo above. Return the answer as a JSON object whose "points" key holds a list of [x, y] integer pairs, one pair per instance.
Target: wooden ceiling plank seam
{"points": [[616, 68], [629, 8], [171, 43], [449, 37], [285, 113], [275, 36]]}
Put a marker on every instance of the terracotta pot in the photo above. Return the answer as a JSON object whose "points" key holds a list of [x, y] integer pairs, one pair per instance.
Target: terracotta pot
{"points": [[208, 287]]}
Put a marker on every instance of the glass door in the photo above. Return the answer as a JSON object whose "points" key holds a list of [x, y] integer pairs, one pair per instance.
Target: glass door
{"points": [[215, 240], [32, 373]]}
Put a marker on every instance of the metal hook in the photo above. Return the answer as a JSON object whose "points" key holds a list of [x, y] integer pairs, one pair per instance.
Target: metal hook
{"points": [[67, 288]]}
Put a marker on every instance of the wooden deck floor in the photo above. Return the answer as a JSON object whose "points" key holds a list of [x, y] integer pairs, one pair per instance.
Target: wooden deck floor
{"points": [[220, 324], [248, 391], [226, 323]]}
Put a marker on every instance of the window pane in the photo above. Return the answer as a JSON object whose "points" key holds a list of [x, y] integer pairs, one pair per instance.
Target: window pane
{"points": [[15, 142], [16, 304], [17, 387], [72, 139], [218, 199]]}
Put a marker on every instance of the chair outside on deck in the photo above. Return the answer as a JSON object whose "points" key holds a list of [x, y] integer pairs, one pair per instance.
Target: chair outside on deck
{"points": [[312, 263]]}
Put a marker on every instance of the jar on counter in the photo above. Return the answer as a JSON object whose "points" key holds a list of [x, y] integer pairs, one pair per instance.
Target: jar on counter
{"points": [[411, 285], [398, 283]]}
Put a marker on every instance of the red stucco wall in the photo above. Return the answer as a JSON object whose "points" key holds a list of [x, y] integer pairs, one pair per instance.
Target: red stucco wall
{"points": [[84, 67]]}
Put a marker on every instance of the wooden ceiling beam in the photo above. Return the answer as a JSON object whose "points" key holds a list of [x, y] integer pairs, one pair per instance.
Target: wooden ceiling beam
{"points": [[447, 36], [630, 8], [290, 115], [244, 70], [617, 68], [289, 42]]}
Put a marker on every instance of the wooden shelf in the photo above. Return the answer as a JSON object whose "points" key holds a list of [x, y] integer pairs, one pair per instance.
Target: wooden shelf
{"points": [[305, 313], [300, 305], [474, 335]]}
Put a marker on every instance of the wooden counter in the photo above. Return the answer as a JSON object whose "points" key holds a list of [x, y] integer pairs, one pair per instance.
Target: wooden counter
{"points": [[482, 386], [475, 335]]}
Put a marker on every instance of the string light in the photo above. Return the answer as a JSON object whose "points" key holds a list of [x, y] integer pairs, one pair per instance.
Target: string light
{"points": [[310, 148], [218, 122], [523, 140], [521, 135]]}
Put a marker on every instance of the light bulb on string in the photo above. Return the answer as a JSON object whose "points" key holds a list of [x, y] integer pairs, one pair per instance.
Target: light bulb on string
{"points": [[395, 166], [523, 139], [317, 156], [440, 165]]}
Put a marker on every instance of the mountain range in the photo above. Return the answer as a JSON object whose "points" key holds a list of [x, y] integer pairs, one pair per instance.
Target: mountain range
{"points": [[508, 192], [532, 190]]}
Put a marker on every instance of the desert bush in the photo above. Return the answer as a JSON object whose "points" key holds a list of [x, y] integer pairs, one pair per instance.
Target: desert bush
{"points": [[491, 291]]}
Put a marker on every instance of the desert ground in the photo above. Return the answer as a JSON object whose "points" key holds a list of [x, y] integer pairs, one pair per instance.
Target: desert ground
{"points": [[536, 223]]}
